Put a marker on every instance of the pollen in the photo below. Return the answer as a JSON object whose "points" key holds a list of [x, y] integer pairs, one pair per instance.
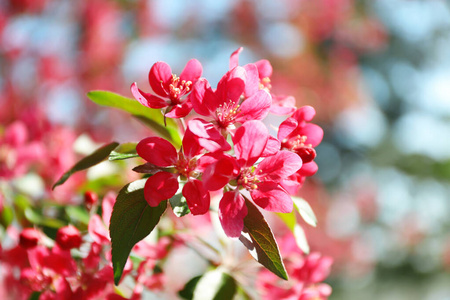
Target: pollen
{"points": [[226, 113], [265, 84], [248, 179], [178, 88]]}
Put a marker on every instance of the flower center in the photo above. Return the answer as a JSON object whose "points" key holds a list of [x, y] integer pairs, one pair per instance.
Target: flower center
{"points": [[178, 88], [186, 168], [265, 84], [226, 113], [297, 145], [248, 179]]}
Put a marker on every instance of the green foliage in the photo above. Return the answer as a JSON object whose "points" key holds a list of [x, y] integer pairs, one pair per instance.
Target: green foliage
{"points": [[260, 241], [305, 211], [123, 151], [151, 117], [178, 203], [188, 291], [215, 285], [132, 220], [91, 160]]}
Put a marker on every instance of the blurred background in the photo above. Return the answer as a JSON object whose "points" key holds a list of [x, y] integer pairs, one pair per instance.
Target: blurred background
{"points": [[377, 73]]}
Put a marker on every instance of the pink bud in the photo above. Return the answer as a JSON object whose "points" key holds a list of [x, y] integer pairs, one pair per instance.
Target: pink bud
{"points": [[90, 198], [29, 238], [68, 237], [307, 154]]}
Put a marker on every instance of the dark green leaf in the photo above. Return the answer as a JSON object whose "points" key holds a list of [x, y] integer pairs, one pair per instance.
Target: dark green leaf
{"points": [[259, 240], [147, 168], [35, 296], [91, 160], [124, 151], [151, 117], [132, 220], [178, 203], [216, 285], [187, 292]]}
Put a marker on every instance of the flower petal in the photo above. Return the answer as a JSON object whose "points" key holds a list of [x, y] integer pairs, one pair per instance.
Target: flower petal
{"points": [[232, 85], [279, 166], [159, 187], [272, 197], [255, 107], [304, 113], [157, 151], [308, 169], [180, 110], [272, 147], [192, 71], [197, 197], [203, 99], [234, 58], [208, 136], [107, 207], [159, 78], [219, 170], [313, 132], [283, 105], [250, 141], [264, 68], [286, 128], [251, 80], [232, 211], [146, 99]]}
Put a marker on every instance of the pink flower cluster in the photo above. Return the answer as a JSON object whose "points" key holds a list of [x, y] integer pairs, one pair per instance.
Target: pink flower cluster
{"points": [[36, 264], [306, 275], [228, 147]]}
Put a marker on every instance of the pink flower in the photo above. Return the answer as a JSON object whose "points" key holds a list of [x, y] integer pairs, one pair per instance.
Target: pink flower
{"points": [[281, 105], [17, 152], [262, 180], [228, 104], [170, 89], [296, 134], [306, 274], [170, 165], [68, 237], [29, 238]]}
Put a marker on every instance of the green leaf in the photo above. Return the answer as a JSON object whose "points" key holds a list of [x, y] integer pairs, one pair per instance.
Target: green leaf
{"points": [[300, 238], [187, 292], [305, 211], [215, 285], [132, 220], [124, 151], [38, 219], [35, 296], [96, 157], [289, 219], [77, 214], [151, 117], [259, 240], [178, 203], [6, 216]]}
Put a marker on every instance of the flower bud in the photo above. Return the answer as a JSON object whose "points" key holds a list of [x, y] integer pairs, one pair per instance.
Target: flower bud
{"points": [[29, 238], [90, 198], [68, 237], [307, 154]]}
